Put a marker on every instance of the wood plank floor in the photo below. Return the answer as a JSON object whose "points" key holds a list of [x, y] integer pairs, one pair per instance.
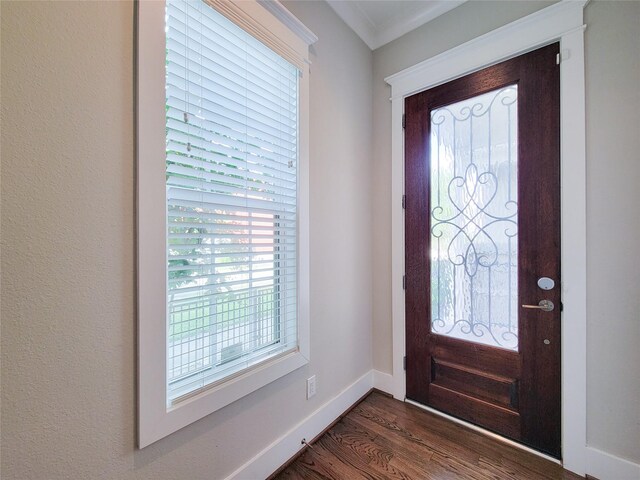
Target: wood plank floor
{"points": [[383, 438]]}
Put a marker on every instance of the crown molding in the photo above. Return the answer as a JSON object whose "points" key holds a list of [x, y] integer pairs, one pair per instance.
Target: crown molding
{"points": [[286, 17], [394, 27], [356, 20]]}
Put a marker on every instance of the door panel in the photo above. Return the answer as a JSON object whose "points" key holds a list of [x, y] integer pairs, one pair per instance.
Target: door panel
{"points": [[491, 388], [487, 414], [482, 225]]}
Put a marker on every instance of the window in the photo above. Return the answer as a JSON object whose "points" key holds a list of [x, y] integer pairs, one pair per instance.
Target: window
{"points": [[232, 153], [222, 202]]}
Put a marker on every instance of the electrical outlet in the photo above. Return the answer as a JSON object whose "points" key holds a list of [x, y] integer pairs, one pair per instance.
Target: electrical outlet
{"points": [[311, 387]]}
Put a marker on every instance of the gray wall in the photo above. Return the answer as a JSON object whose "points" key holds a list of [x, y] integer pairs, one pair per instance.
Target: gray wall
{"points": [[68, 238], [613, 171], [612, 44], [68, 243]]}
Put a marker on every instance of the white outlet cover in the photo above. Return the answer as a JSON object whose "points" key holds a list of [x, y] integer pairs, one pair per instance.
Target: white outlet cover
{"points": [[311, 386]]}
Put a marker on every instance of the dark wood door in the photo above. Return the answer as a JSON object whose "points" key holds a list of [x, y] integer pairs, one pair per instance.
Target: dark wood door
{"points": [[482, 220]]}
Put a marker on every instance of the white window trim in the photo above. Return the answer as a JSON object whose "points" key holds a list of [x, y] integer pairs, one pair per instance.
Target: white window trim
{"points": [[280, 30], [562, 22]]}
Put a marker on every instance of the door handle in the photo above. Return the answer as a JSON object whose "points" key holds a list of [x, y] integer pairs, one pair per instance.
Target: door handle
{"points": [[545, 305]]}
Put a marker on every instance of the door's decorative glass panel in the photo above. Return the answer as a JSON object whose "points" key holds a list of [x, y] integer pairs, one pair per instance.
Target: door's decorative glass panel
{"points": [[474, 219]]}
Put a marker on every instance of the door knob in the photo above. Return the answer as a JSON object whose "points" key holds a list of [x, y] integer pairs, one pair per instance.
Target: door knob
{"points": [[546, 305]]}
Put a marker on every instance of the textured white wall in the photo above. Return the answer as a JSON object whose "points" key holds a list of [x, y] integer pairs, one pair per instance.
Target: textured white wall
{"points": [[68, 243], [613, 170]]}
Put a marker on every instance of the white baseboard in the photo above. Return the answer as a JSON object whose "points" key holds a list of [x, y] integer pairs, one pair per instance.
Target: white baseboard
{"points": [[601, 465], [605, 466], [383, 381], [279, 452]]}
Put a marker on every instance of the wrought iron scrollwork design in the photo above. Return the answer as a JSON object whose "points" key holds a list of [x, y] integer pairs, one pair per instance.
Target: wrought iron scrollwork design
{"points": [[470, 214], [470, 220]]}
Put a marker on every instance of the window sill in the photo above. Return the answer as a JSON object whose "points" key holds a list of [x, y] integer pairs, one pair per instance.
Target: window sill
{"points": [[157, 422]]}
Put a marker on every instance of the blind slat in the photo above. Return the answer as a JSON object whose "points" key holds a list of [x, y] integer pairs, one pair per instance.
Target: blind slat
{"points": [[192, 167], [228, 286], [197, 153], [206, 250], [222, 112], [213, 73], [198, 89], [193, 298], [229, 188], [211, 200]]}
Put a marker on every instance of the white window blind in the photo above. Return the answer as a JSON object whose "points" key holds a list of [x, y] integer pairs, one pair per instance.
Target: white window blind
{"points": [[231, 179]]}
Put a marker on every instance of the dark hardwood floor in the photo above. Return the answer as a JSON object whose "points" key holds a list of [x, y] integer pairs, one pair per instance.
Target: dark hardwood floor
{"points": [[384, 438]]}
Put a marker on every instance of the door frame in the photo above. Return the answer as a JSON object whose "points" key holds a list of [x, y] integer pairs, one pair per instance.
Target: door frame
{"points": [[561, 22]]}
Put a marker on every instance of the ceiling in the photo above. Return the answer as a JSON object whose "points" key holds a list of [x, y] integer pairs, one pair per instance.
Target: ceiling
{"points": [[378, 22]]}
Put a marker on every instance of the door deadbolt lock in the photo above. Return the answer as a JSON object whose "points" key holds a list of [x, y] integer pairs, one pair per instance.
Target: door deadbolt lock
{"points": [[545, 305], [546, 283]]}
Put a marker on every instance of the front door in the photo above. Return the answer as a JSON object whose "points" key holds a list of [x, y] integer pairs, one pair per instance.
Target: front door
{"points": [[482, 232]]}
